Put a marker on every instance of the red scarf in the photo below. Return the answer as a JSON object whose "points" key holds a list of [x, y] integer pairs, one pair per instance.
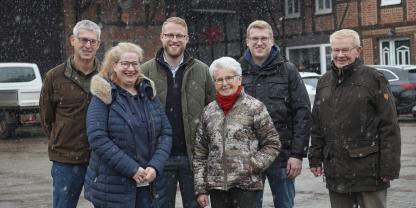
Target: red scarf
{"points": [[227, 102]]}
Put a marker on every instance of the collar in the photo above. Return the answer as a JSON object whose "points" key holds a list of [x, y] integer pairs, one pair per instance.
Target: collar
{"points": [[342, 73], [161, 59], [172, 67], [274, 52], [71, 71]]}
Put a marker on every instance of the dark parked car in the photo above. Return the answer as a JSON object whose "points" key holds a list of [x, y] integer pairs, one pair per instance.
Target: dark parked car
{"points": [[402, 80]]}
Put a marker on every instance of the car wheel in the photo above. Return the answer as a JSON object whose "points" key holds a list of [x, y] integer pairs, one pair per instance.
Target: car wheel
{"points": [[7, 130]]}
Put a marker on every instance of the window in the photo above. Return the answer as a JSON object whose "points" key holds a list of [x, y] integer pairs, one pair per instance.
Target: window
{"points": [[389, 75], [16, 74], [394, 52], [323, 6], [389, 2], [215, 33], [310, 58], [292, 8]]}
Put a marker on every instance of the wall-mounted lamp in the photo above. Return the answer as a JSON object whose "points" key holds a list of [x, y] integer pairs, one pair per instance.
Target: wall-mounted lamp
{"points": [[391, 32]]}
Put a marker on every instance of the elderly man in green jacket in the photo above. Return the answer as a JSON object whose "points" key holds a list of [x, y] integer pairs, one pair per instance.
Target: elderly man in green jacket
{"points": [[355, 132]]}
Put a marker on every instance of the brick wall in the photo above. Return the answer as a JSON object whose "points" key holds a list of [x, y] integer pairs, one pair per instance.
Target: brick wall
{"points": [[391, 15], [411, 10], [293, 26], [368, 51], [351, 17], [369, 12], [114, 30], [324, 23], [309, 12]]}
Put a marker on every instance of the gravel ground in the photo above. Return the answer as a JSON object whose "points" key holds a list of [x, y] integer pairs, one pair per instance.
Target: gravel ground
{"points": [[25, 175]]}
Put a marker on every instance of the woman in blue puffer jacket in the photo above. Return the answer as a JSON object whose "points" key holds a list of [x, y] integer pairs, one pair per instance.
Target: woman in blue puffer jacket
{"points": [[129, 134]]}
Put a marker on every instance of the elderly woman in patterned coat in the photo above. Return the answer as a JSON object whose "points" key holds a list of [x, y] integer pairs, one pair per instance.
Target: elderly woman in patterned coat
{"points": [[235, 142]]}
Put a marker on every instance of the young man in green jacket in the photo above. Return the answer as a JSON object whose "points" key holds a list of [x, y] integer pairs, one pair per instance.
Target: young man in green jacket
{"points": [[184, 86]]}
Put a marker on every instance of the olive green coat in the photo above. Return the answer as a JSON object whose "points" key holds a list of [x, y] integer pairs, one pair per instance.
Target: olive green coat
{"points": [[197, 91]]}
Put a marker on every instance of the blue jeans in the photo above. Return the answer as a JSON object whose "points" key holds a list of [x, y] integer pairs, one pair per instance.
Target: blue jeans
{"points": [[68, 180], [283, 189], [178, 169]]}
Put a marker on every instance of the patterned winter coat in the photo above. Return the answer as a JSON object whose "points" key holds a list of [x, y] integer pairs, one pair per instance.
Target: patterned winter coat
{"points": [[232, 151]]}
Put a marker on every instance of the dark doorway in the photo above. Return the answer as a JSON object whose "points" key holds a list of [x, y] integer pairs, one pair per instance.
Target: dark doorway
{"points": [[32, 31]]}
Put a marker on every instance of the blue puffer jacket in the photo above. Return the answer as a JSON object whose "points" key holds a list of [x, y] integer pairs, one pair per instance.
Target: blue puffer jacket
{"points": [[114, 160]]}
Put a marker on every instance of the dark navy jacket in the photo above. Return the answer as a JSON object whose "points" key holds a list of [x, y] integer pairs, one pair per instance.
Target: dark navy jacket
{"points": [[114, 157], [279, 86]]}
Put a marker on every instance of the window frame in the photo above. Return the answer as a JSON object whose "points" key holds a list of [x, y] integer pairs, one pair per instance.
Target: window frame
{"points": [[322, 53], [392, 53], [292, 14], [389, 2], [325, 10]]}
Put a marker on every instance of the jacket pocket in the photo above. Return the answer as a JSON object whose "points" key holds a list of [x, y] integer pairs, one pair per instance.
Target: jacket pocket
{"points": [[362, 152], [278, 90], [363, 162], [57, 131]]}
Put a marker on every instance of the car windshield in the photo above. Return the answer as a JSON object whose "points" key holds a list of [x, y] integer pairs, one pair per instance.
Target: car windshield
{"points": [[312, 81], [16, 74]]}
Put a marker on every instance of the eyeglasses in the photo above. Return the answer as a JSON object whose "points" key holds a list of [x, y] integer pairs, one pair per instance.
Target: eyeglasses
{"points": [[227, 79], [84, 41], [127, 64], [171, 36], [257, 39], [337, 51]]}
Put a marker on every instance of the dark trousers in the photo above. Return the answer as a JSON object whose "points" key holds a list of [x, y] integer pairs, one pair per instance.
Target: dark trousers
{"points": [[233, 198]]}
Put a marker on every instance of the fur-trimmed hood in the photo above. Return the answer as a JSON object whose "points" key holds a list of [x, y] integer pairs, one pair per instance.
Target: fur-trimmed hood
{"points": [[103, 88]]}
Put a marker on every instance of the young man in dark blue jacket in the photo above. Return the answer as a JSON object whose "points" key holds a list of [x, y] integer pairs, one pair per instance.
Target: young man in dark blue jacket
{"points": [[268, 77]]}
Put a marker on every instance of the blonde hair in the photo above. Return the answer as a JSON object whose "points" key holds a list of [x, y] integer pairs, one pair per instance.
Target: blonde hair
{"points": [[260, 24], [346, 33], [113, 55], [176, 20]]}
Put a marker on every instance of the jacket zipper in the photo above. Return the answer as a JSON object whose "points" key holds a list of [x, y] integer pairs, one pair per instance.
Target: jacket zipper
{"points": [[224, 154]]}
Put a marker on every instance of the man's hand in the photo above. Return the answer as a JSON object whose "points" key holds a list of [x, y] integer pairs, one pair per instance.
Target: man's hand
{"points": [[387, 179], [293, 167], [317, 171], [203, 200]]}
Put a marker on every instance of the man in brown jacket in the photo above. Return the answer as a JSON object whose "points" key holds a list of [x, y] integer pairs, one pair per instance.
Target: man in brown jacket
{"points": [[63, 104], [355, 132]]}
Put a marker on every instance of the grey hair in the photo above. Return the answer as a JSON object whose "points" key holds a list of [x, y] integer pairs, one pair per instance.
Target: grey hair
{"points": [[87, 25], [346, 33], [225, 63]]}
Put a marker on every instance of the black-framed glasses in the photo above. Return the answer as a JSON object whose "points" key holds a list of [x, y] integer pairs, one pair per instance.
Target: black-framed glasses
{"points": [[257, 39], [337, 51], [84, 41], [127, 64], [171, 36], [227, 79]]}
